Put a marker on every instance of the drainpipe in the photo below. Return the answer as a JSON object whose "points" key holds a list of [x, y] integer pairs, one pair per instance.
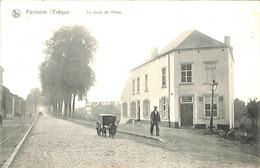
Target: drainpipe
{"points": [[169, 90]]}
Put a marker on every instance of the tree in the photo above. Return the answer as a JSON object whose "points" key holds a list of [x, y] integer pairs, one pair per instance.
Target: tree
{"points": [[253, 110], [34, 98], [66, 73], [239, 109]]}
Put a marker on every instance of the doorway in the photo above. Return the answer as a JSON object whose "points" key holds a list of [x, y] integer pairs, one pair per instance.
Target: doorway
{"points": [[186, 111]]}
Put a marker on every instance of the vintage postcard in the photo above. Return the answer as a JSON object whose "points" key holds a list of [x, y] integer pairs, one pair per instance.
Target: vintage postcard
{"points": [[129, 83]]}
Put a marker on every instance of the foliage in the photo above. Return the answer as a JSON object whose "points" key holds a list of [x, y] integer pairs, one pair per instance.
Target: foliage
{"points": [[239, 109], [248, 129], [34, 98], [253, 108], [66, 71]]}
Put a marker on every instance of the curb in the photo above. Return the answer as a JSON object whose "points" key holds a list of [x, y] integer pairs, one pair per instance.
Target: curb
{"points": [[17, 148], [141, 135]]}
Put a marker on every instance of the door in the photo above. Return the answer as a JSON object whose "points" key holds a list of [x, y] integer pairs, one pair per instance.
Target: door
{"points": [[138, 110], [187, 114]]}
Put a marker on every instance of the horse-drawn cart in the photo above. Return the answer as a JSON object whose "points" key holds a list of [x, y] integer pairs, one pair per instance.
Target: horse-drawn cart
{"points": [[106, 123]]}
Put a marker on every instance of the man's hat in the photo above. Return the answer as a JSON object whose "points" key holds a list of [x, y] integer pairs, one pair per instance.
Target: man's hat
{"points": [[155, 106]]}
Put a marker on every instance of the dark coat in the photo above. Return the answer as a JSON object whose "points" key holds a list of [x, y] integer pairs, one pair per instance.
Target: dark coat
{"points": [[155, 117]]}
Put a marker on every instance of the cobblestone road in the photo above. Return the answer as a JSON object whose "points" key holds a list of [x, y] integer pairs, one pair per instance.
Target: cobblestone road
{"points": [[58, 143]]}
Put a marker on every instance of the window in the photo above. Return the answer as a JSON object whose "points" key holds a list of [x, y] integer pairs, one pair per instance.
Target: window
{"points": [[138, 85], [186, 100], [208, 106], [210, 69], [146, 108], [163, 108], [146, 82], [164, 77], [186, 73], [133, 86], [133, 109], [125, 110]]}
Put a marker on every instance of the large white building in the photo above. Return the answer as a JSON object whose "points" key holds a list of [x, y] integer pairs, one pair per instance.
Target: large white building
{"points": [[177, 80]]}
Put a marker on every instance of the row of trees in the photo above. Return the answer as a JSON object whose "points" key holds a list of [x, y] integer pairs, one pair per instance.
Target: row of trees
{"points": [[33, 100], [66, 73]]}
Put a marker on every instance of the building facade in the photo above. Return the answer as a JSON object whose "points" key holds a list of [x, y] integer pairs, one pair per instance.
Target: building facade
{"points": [[10, 104], [177, 80]]}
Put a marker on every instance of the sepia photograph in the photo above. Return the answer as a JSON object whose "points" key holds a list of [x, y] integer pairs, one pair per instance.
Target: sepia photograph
{"points": [[129, 84]]}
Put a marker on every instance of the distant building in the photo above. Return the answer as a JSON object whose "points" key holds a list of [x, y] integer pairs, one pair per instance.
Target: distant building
{"points": [[177, 80], [92, 109], [10, 104]]}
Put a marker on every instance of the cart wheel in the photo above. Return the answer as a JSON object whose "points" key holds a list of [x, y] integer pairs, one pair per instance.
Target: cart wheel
{"points": [[103, 132], [98, 132], [113, 132]]}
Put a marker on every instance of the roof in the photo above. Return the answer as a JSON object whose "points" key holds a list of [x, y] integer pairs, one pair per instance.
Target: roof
{"points": [[191, 39], [107, 115]]}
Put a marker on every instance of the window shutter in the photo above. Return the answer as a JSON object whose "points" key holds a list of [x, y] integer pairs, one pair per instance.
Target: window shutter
{"points": [[167, 107], [144, 111], [221, 110], [160, 105], [200, 107], [148, 112]]}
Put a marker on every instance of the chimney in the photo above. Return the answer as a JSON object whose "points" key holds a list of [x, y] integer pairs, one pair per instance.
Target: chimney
{"points": [[154, 52], [227, 40]]}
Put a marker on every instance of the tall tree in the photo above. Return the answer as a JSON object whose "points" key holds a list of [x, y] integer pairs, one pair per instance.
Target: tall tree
{"points": [[66, 73]]}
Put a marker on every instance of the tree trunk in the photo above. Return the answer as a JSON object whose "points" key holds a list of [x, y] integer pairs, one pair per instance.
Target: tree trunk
{"points": [[73, 106], [54, 109], [70, 105], [65, 108], [61, 105], [66, 103]]}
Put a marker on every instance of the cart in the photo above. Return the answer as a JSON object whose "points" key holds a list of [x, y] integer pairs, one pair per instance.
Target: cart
{"points": [[106, 123]]}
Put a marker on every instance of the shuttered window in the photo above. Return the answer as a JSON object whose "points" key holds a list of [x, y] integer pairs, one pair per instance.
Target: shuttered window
{"points": [[133, 109], [163, 108], [201, 107], [146, 108], [133, 86], [204, 106], [164, 77], [138, 85], [221, 111], [210, 69], [208, 102], [146, 83], [125, 110]]}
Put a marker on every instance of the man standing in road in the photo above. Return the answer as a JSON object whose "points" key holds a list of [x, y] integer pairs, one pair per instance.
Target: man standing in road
{"points": [[155, 119]]}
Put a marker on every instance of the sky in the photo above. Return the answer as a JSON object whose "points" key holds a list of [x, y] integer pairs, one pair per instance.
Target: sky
{"points": [[126, 37]]}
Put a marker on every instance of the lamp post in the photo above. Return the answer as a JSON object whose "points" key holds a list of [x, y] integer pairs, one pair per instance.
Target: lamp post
{"points": [[213, 87]]}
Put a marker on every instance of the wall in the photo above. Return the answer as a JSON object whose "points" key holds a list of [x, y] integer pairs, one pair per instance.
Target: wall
{"points": [[199, 86]]}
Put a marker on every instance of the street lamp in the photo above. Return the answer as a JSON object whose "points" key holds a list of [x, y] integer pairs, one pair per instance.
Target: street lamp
{"points": [[213, 87]]}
